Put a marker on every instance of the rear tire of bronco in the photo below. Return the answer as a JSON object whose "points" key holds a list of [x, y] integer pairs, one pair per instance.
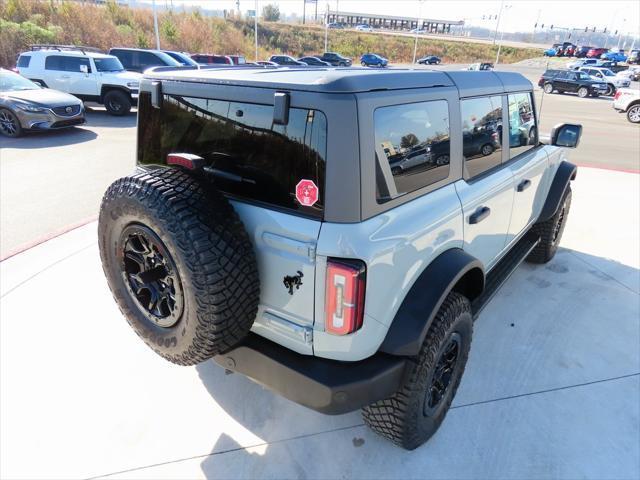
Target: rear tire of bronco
{"points": [[117, 103], [179, 264], [414, 413], [548, 88], [550, 233]]}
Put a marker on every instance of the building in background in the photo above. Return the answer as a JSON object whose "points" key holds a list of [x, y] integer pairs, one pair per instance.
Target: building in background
{"points": [[392, 22]]}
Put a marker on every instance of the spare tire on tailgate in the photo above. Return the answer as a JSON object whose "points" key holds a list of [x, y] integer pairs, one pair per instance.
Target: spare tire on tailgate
{"points": [[179, 264]]}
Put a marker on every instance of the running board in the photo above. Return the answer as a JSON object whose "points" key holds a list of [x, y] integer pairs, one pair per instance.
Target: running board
{"points": [[503, 270]]}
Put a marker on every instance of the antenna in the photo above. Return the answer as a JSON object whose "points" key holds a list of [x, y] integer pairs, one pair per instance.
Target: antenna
{"points": [[542, 97]]}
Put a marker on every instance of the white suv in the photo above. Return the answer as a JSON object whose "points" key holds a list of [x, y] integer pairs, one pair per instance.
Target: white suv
{"points": [[614, 82], [628, 100], [83, 72]]}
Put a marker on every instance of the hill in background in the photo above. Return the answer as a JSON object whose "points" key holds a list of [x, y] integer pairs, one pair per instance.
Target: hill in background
{"points": [[26, 22]]}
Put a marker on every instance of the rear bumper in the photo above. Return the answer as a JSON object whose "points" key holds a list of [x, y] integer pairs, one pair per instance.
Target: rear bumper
{"points": [[327, 386]]}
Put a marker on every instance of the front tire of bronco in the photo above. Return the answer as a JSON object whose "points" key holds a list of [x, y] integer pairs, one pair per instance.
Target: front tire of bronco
{"points": [[179, 264], [117, 103], [550, 233], [414, 413]]}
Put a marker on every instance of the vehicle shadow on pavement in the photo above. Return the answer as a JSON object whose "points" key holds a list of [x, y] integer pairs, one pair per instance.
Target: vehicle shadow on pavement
{"points": [[100, 118], [58, 138], [266, 436]]}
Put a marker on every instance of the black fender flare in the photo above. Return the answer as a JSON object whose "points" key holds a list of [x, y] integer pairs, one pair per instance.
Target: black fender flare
{"points": [[566, 172], [453, 269]]}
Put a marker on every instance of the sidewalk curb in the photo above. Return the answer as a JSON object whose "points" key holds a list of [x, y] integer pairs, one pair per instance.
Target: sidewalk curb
{"points": [[47, 237]]}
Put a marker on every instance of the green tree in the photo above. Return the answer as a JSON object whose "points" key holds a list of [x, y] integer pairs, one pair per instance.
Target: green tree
{"points": [[271, 13]]}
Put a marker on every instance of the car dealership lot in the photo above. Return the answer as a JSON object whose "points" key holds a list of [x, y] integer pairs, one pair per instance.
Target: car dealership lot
{"points": [[51, 181], [552, 388]]}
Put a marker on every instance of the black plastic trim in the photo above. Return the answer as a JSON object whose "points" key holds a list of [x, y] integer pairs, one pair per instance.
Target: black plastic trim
{"points": [[501, 272], [566, 172], [327, 386], [414, 317]]}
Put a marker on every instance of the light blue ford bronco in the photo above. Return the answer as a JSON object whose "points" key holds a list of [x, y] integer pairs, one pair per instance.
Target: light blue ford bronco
{"points": [[332, 233]]}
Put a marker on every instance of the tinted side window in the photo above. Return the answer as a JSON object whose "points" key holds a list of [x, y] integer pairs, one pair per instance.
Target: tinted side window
{"points": [[23, 61], [414, 140], [124, 57], [481, 134], [72, 64], [145, 60], [247, 155], [523, 131], [54, 62]]}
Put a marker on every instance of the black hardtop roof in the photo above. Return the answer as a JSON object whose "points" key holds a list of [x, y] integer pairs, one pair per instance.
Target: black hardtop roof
{"points": [[345, 80]]}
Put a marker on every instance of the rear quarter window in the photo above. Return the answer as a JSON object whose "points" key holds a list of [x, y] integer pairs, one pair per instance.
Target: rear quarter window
{"points": [[412, 141], [23, 61]]}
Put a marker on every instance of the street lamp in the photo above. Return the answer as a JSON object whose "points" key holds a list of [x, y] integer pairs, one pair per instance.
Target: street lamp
{"points": [[495, 34], [415, 43], [624, 20], [506, 7]]}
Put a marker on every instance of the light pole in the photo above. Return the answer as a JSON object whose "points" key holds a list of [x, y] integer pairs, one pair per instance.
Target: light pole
{"points": [[415, 43], [255, 27], [501, 34], [326, 29], [624, 20], [495, 34], [155, 25]]}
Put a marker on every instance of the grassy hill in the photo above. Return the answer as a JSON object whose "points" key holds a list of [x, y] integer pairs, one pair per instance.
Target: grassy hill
{"points": [[25, 22]]}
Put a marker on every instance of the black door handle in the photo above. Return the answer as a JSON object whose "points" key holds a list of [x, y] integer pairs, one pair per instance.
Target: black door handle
{"points": [[523, 185], [479, 215]]}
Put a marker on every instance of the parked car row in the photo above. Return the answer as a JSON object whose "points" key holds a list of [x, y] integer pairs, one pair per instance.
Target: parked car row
{"points": [[568, 49], [593, 81]]}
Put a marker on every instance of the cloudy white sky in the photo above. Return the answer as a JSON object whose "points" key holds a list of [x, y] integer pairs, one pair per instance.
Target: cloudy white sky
{"points": [[520, 15]]}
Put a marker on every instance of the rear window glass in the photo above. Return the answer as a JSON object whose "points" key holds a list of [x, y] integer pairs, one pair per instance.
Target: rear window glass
{"points": [[412, 142], [23, 61], [247, 155]]}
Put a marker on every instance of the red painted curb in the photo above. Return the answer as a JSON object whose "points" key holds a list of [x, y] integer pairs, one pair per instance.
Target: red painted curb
{"points": [[607, 167], [47, 237]]}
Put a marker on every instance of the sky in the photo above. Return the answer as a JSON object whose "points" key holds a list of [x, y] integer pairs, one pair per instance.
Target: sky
{"points": [[518, 15]]}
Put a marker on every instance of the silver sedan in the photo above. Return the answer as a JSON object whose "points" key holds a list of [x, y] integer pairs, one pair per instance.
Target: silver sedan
{"points": [[25, 106]]}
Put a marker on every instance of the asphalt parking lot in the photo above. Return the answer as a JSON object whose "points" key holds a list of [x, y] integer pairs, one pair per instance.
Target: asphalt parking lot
{"points": [[66, 172]]}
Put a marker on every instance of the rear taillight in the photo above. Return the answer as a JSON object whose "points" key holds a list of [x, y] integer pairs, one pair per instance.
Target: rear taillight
{"points": [[346, 283], [617, 95]]}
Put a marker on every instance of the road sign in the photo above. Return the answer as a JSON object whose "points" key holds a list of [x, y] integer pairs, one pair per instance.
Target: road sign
{"points": [[306, 193]]}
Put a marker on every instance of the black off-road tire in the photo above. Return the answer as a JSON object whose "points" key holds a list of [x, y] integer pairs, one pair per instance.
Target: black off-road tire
{"points": [[206, 249], [550, 233], [117, 103], [548, 88], [403, 418]]}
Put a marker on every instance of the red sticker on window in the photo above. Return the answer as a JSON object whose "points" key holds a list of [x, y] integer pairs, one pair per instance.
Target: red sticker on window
{"points": [[306, 193]]}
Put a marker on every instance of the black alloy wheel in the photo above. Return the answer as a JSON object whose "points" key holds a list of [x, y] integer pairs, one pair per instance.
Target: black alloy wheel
{"points": [[442, 375], [150, 276]]}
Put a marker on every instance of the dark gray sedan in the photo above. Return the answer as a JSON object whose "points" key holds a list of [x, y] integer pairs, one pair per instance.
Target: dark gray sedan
{"points": [[25, 106]]}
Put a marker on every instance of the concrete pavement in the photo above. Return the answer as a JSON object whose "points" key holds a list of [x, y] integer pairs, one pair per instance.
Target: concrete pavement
{"points": [[552, 387]]}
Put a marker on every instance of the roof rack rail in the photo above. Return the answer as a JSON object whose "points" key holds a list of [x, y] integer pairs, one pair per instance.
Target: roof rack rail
{"points": [[46, 46]]}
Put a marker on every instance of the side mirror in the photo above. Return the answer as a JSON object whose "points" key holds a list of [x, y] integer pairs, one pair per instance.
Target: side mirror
{"points": [[84, 68], [566, 135]]}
